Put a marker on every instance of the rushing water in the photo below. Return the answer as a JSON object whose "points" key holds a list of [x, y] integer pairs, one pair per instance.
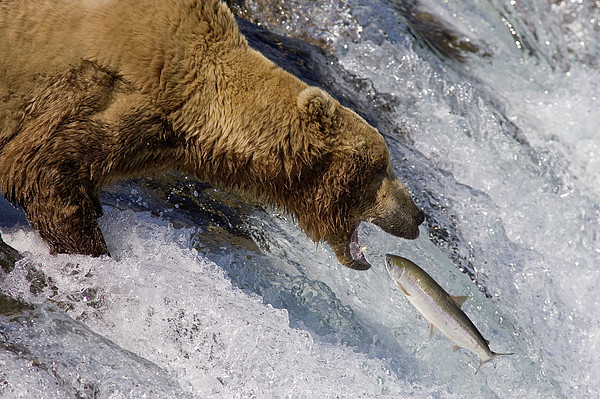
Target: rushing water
{"points": [[489, 109]]}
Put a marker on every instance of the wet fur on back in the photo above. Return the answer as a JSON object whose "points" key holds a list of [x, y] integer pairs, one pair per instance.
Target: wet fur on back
{"points": [[96, 91]]}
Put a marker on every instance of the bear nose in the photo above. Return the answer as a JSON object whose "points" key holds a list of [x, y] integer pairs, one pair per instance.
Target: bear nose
{"points": [[420, 218]]}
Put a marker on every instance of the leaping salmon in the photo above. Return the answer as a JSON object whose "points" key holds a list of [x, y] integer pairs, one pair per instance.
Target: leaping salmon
{"points": [[439, 308]]}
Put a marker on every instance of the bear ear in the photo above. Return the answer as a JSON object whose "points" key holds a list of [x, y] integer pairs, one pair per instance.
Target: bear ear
{"points": [[315, 104]]}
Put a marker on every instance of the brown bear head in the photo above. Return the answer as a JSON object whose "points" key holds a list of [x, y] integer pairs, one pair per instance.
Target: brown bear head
{"points": [[352, 183]]}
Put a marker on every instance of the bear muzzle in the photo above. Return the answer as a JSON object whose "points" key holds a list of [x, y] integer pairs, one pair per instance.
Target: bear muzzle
{"points": [[349, 251]]}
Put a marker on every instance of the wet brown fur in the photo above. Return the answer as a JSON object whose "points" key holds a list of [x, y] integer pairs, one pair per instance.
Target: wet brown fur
{"points": [[95, 91]]}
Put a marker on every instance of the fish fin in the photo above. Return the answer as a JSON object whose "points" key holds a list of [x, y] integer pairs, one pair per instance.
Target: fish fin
{"points": [[494, 355], [404, 291], [459, 300], [431, 330], [481, 363], [455, 348]]}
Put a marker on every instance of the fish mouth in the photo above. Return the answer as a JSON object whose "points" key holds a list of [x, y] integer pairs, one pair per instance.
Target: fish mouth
{"points": [[389, 264], [394, 270]]}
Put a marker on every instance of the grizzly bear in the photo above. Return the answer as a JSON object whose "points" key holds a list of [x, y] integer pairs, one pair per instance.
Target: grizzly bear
{"points": [[96, 91]]}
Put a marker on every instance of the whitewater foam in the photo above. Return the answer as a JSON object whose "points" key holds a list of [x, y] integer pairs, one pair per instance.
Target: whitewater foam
{"points": [[158, 299]]}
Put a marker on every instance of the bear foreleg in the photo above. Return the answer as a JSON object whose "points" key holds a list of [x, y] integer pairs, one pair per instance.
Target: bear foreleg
{"points": [[68, 224]]}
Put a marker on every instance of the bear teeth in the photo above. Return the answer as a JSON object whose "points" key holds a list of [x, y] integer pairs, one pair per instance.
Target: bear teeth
{"points": [[357, 252]]}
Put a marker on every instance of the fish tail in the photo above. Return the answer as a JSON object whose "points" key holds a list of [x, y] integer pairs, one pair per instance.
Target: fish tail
{"points": [[494, 355]]}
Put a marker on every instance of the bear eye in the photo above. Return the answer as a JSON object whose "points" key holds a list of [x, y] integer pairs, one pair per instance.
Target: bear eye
{"points": [[381, 169]]}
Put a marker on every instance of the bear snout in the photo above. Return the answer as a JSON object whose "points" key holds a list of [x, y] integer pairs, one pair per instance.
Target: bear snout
{"points": [[420, 218]]}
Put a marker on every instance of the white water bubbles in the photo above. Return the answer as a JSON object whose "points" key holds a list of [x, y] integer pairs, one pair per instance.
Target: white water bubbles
{"points": [[174, 312], [320, 22]]}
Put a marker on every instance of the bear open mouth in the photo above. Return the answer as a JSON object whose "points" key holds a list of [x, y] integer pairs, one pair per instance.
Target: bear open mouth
{"points": [[356, 251]]}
